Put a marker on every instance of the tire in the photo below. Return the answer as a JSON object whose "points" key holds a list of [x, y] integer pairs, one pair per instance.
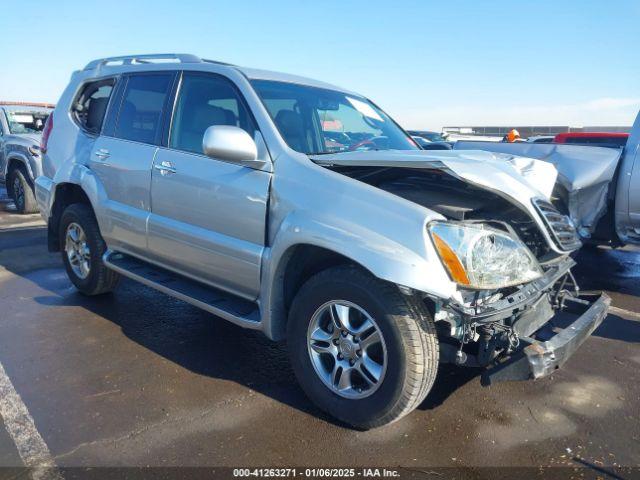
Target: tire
{"points": [[22, 192], [98, 279], [409, 340]]}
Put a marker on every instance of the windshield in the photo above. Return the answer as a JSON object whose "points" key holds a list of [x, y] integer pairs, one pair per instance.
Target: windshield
{"points": [[27, 121], [315, 120]]}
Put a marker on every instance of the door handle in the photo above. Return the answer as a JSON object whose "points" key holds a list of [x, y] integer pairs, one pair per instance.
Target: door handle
{"points": [[165, 168], [102, 154]]}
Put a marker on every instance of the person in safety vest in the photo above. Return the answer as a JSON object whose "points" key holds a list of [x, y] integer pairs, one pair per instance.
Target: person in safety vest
{"points": [[512, 136]]}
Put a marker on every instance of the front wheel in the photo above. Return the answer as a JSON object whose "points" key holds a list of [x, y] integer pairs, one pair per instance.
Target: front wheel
{"points": [[82, 250], [361, 350]]}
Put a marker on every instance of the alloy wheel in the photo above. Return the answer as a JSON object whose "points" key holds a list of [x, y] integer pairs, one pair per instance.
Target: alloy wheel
{"points": [[77, 250], [347, 349]]}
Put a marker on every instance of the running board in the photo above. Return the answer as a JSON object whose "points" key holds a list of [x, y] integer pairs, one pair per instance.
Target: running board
{"points": [[225, 305]]}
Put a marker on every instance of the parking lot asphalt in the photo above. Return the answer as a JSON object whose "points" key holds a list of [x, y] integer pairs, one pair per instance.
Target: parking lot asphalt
{"points": [[136, 378]]}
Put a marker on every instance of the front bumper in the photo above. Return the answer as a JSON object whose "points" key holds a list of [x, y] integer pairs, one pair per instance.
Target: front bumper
{"points": [[542, 353], [521, 301]]}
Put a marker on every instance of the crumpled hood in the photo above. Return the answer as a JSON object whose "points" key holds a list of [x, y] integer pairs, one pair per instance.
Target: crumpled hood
{"points": [[518, 178]]}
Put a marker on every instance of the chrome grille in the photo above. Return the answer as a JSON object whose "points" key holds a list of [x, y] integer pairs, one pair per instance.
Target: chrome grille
{"points": [[559, 226]]}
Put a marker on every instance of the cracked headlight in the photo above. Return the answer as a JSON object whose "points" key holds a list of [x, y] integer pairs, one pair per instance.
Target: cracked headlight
{"points": [[482, 257]]}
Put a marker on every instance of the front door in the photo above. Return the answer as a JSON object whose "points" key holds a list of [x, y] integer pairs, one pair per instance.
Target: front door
{"points": [[208, 216]]}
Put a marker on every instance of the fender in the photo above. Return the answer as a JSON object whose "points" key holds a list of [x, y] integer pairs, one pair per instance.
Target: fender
{"points": [[418, 268], [383, 233]]}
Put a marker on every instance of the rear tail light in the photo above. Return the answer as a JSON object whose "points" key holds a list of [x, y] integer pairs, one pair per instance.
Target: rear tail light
{"points": [[48, 126]]}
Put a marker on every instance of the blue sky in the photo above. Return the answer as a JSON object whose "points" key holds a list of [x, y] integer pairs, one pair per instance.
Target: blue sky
{"points": [[428, 64]]}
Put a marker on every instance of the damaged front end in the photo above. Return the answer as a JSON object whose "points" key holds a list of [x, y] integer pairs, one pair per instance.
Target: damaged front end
{"points": [[517, 310], [521, 334], [514, 313]]}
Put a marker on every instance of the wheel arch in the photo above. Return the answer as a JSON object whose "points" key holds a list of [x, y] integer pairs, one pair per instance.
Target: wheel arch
{"points": [[65, 194], [297, 264]]}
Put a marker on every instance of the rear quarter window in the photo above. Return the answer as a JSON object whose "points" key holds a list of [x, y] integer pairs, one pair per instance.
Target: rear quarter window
{"points": [[90, 105]]}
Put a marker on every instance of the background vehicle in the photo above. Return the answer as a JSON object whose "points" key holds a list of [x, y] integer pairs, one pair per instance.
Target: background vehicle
{"points": [[598, 187], [427, 145], [603, 139], [423, 142], [541, 139], [21, 127], [457, 137], [215, 184], [427, 135]]}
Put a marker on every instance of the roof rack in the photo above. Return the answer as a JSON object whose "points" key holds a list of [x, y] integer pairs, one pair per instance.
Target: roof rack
{"points": [[147, 58]]}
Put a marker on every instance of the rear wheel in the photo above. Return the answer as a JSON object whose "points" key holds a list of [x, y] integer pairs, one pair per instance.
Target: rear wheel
{"points": [[82, 250], [22, 192], [361, 350]]}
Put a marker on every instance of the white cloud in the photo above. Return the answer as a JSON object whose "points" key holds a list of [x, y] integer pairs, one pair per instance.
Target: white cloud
{"points": [[599, 111]]}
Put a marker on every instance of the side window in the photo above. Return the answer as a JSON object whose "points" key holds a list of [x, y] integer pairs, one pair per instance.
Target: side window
{"points": [[203, 101], [140, 116], [91, 104]]}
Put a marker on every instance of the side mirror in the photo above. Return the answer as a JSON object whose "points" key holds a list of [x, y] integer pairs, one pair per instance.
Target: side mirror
{"points": [[232, 144]]}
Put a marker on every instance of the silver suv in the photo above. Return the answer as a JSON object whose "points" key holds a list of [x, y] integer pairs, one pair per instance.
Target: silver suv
{"points": [[21, 127], [301, 209]]}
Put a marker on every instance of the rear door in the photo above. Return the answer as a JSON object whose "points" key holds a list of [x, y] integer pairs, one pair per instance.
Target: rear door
{"points": [[208, 216], [122, 157]]}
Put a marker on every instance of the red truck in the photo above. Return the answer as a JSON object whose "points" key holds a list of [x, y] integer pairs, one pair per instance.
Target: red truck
{"points": [[603, 139]]}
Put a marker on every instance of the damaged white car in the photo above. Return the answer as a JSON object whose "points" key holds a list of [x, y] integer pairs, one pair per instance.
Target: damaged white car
{"points": [[301, 209], [598, 187]]}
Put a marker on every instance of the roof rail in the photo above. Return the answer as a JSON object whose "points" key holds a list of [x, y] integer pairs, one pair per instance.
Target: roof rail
{"points": [[218, 62], [147, 58]]}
